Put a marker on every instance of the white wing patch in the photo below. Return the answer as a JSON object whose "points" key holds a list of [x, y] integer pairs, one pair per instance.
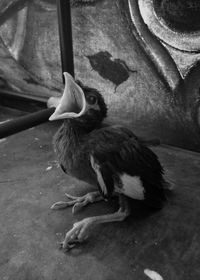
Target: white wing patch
{"points": [[132, 187], [152, 274], [96, 168]]}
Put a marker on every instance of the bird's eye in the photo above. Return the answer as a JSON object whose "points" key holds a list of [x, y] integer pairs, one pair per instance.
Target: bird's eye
{"points": [[91, 99]]}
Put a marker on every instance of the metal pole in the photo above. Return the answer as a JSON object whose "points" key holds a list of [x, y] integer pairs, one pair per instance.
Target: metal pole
{"points": [[11, 127], [65, 32]]}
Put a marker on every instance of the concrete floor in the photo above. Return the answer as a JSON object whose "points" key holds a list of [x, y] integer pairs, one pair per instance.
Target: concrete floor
{"points": [[30, 181]]}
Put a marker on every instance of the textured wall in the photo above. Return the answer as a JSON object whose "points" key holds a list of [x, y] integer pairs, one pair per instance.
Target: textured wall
{"points": [[147, 86]]}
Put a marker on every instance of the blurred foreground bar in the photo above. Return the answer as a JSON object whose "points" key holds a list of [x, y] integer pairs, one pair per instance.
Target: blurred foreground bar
{"points": [[11, 127]]}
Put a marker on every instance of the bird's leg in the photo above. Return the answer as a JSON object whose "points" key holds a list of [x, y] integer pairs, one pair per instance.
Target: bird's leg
{"points": [[77, 202], [81, 229]]}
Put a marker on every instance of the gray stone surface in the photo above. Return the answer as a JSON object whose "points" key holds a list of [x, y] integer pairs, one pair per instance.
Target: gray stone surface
{"points": [[30, 181]]}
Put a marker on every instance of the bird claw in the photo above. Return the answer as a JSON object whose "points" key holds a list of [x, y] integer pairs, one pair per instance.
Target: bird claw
{"points": [[77, 206], [67, 247], [71, 197], [76, 201], [78, 234], [61, 205], [79, 202]]}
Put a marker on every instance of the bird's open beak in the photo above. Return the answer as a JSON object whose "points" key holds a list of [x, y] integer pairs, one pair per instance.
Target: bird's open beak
{"points": [[72, 103]]}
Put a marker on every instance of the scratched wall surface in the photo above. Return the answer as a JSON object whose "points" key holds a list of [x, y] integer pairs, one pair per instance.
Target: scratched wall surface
{"points": [[147, 84]]}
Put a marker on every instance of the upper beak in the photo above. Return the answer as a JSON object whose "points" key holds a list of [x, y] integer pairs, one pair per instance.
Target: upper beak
{"points": [[72, 103]]}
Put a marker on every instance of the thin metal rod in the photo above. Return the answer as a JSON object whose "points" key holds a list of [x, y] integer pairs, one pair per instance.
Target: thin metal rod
{"points": [[65, 35], [11, 127]]}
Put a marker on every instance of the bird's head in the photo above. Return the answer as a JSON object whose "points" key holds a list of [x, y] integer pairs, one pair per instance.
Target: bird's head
{"points": [[83, 104]]}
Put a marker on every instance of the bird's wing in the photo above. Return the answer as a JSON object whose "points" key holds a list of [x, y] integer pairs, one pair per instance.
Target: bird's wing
{"points": [[115, 151]]}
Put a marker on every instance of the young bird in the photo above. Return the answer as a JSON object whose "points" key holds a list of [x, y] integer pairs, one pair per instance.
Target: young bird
{"points": [[111, 158]]}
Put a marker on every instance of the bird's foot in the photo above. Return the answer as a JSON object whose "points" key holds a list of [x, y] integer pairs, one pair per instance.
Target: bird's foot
{"points": [[81, 230], [69, 246], [77, 202], [78, 234]]}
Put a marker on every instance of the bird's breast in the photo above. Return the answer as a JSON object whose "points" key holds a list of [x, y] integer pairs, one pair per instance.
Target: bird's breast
{"points": [[130, 186]]}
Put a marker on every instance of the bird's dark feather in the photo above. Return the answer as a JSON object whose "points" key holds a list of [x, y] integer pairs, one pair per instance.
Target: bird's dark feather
{"points": [[120, 148]]}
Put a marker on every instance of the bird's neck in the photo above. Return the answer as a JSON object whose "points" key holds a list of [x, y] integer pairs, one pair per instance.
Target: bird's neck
{"points": [[69, 136], [67, 140], [76, 128], [83, 125]]}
